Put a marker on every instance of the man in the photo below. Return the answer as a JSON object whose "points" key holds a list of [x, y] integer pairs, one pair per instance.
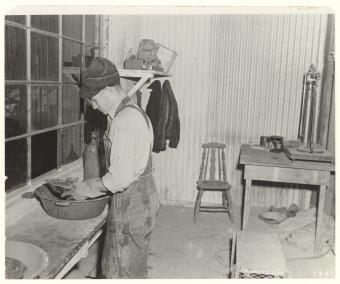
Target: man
{"points": [[128, 143]]}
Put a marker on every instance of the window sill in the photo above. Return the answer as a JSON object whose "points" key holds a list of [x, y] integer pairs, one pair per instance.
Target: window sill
{"points": [[17, 207]]}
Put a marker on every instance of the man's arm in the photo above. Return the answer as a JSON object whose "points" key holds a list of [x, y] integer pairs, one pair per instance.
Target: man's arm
{"points": [[121, 171], [96, 183]]}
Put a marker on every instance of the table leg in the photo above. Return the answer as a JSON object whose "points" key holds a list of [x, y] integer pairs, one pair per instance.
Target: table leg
{"points": [[319, 219], [246, 204]]}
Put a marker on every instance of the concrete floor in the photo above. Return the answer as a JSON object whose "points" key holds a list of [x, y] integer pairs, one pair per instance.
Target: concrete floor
{"points": [[181, 249]]}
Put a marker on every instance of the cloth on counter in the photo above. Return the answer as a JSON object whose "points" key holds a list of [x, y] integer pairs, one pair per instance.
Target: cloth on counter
{"points": [[71, 189], [302, 218], [305, 236], [81, 191], [300, 230], [162, 110]]}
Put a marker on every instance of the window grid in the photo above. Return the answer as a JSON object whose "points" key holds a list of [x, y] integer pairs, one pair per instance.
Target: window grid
{"points": [[29, 83]]}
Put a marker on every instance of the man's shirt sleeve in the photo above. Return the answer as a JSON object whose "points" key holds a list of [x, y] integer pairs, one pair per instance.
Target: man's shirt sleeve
{"points": [[121, 172]]}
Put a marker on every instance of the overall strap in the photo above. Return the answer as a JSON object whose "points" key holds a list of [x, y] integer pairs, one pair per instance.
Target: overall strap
{"points": [[137, 108], [148, 169]]}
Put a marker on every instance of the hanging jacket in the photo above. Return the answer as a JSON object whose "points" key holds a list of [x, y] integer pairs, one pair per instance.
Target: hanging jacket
{"points": [[162, 110], [153, 110], [172, 128]]}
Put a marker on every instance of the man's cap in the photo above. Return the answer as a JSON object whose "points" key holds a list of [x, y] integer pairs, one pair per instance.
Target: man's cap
{"points": [[100, 74]]}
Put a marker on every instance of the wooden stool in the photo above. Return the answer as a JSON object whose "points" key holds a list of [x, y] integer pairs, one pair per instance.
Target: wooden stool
{"points": [[213, 157]]}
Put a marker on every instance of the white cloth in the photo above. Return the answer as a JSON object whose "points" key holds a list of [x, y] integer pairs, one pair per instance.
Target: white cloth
{"points": [[130, 139]]}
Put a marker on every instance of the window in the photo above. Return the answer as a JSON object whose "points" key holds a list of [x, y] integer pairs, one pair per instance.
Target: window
{"points": [[45, 56]]}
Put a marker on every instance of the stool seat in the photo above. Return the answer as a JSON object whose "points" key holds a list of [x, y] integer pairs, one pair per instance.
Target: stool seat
{"points": [[214, 179], [213, 184]]}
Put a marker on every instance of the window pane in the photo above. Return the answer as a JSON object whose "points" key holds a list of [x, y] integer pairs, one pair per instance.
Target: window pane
{"points": [[46, 23], [71, 103], [72, 26], [71, 61], [71, 144], [44, 106], [15, 53], [16, 19], [44, 153], [90, 53], [95, 120], [15, 163], [91, 36], [15, 110], [44, 57]]}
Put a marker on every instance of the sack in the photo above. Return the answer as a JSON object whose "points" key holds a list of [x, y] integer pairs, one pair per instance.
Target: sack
{"points": [[147, 52]]}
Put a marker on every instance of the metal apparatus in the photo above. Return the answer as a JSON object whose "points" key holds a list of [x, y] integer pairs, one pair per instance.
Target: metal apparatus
{"points": [[91, 159], [308, 112]]}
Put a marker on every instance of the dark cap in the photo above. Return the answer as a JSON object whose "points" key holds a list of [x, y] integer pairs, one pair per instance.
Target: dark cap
{"points": [[100, 74]]}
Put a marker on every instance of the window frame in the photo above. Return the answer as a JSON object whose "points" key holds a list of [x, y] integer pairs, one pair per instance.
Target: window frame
{"points": [[28, 82]]}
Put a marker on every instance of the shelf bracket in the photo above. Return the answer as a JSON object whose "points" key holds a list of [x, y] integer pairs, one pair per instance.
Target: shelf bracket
{"points": [[138, 85]]}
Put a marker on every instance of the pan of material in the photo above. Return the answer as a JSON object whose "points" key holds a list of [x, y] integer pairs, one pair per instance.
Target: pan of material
{"points": [[70, 209]]}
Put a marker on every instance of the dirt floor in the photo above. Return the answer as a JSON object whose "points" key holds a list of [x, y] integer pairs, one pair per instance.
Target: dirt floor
{"points": [[181, 249]]}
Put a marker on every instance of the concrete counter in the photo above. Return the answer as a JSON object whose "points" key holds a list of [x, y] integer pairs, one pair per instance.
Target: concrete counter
{"points": [[65, 241]]}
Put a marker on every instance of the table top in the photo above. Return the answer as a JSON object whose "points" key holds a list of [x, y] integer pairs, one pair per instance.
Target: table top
{"points": [[259, 157], [60, 239]]}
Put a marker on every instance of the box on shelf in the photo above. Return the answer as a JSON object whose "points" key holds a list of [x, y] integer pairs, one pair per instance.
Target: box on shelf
{"points": [[133, 64]]}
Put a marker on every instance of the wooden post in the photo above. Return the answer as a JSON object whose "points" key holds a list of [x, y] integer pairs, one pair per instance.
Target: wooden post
{"points": [[60, 95], [29, 99], [246, 204], [327, 83], [318, 231]]}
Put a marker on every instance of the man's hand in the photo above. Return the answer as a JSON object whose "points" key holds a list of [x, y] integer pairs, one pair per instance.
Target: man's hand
{"points": [[81, 191], [77, 191], [96, 184]]}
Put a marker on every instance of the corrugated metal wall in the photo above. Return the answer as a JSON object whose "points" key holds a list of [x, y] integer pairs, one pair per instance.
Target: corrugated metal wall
{"points": [[236, 77], [256, 80], [176, 170]]}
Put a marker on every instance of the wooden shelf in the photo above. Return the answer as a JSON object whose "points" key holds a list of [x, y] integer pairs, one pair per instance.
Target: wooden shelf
{"points": [[142, 77], [131, 73]]}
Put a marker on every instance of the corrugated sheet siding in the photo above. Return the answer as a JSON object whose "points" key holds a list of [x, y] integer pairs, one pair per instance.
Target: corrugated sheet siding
{"points": [[256, 80], [236, 77], [176, 170]]}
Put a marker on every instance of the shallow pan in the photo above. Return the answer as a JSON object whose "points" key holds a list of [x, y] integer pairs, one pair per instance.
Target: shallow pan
{"points": [[70, 209]]}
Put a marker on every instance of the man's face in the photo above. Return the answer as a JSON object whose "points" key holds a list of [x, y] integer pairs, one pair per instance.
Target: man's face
{"points": [[101, 101]]}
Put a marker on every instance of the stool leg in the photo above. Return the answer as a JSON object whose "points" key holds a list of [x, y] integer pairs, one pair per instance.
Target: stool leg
{"points": [[224, 199], [230, 206], [198, 203]]}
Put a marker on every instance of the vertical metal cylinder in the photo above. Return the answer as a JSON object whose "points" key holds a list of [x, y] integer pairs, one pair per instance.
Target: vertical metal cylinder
{"points": [[302, 109], [307, 113], [91, 159]]}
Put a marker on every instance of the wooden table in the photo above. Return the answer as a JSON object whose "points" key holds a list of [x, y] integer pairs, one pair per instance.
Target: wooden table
{"points": [[276, 167]]}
